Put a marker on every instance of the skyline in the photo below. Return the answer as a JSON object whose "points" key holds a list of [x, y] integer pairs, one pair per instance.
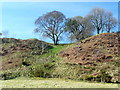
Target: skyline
{"points": [[18, 18]]}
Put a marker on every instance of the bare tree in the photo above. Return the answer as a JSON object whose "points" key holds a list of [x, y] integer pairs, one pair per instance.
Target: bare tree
{"points": [[51, 25], [79, 28], [97, 16], [110, 21], [102, 20]]}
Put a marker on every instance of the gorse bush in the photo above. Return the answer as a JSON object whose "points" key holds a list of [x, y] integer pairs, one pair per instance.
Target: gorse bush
{"points": [[9, 75], [79, 72], [89, 78], [41, 70], [105, 77]]}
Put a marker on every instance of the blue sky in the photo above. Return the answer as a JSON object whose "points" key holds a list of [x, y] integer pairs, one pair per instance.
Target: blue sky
{"points": [[18, 17]]}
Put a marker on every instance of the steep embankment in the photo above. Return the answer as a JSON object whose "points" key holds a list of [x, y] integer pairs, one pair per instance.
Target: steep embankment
{"points": [[99, 48], [95, 58], [15, 52]]}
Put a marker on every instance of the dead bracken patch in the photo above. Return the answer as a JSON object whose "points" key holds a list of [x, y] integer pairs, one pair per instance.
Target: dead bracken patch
{"points": [[99, 48]]}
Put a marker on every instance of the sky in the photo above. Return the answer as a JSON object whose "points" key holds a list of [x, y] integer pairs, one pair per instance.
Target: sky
{"points": [[18, 17]]}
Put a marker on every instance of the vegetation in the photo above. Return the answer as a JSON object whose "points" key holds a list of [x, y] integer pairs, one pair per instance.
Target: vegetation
{"points": [[79, 28], [52, 25], [50, 64], [92, 58], [25, 82], [32, 62], [102, 20]]}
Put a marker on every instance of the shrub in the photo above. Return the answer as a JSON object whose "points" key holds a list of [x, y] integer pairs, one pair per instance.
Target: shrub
{"points": [[89, 77], [9, 75], [41, 70], [103, 77], [26, 63]]}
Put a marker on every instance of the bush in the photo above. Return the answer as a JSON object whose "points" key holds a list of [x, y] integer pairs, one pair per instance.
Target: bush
{"points": [[26, 63], [89, 77], [41, 70], [103, 77], [9, 75]]}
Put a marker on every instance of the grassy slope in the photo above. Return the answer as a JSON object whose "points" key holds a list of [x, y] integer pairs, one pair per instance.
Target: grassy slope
{"points": [[76, 71], [50, 57], [18, 51], [52, 83], [60, 65]]}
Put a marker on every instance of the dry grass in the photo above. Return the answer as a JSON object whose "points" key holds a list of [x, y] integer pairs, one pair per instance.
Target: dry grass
{"points": [[52, 83]]}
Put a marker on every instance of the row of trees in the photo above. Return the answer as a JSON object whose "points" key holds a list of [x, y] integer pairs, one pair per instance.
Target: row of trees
{"points": [[54, 24]]}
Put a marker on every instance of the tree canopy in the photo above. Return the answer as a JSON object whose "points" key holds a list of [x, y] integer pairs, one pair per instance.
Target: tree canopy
{"points": [[51, 25], [102, 20], [79, 28]]}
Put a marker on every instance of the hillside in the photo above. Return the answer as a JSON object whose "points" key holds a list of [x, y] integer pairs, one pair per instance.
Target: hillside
{"points": [[29, 58], [94, 59], [14, 51], [96, 49]]}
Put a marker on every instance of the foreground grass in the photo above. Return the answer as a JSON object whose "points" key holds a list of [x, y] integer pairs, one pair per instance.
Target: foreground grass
{"points": [[52, 83]]}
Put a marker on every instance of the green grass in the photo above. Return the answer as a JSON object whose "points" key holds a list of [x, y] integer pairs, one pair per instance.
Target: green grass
{"points": [[51, 55], [52, 83], [50, 58], [55, 50], [58, 69]]}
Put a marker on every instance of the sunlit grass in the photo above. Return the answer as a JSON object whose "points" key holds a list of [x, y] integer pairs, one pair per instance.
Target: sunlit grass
{"points": [[52, 83]]}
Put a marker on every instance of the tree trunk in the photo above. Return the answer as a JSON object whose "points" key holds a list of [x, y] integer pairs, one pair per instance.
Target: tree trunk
{"points": [[108, 31], [56, 41], [98, 31]]}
